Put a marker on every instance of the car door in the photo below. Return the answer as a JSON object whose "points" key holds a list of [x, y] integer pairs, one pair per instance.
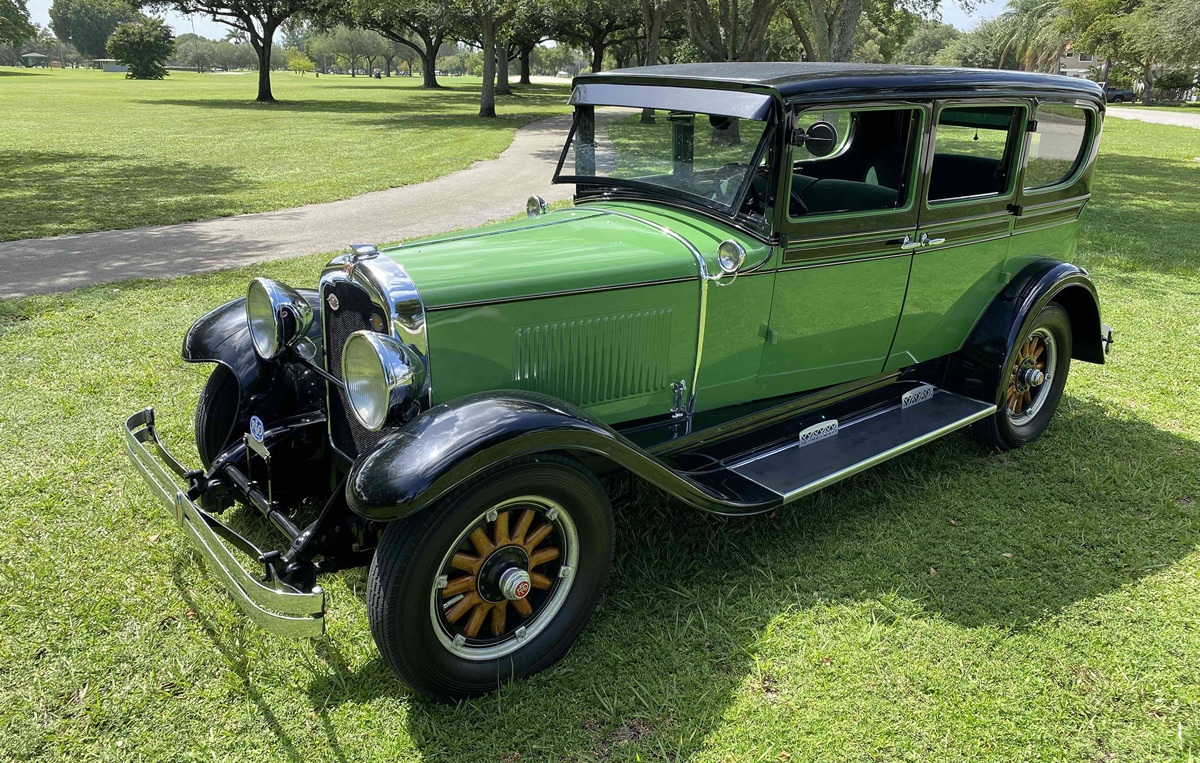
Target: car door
{"points": [[964, 228], [848, 231]]}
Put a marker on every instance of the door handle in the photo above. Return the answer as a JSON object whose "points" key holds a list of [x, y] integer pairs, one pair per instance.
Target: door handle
{"points": [[907, 243], [927, 241]]}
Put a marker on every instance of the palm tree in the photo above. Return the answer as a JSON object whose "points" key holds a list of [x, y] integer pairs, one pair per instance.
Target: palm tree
{"points": [[1031, 35]]}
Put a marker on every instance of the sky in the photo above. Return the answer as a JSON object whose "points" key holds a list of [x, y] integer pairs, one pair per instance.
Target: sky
{"points": [[952, 13]]}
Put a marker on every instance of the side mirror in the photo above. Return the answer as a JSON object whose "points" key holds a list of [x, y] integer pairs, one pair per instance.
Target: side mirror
{"points": [[819, 139]]}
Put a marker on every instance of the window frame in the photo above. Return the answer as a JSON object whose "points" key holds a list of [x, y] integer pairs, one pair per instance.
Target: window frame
{"points": [[1086, 151], [914, 186], [1015, 157]]}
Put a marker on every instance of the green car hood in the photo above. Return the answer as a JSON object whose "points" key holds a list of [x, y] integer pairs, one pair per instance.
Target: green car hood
{"points": [[593, 246]]}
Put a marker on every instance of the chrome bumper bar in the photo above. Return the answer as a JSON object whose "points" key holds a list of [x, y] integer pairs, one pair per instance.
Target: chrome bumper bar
{"points": [[281, 610]]}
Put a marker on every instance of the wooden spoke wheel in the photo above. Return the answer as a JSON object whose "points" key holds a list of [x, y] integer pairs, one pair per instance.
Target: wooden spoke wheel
{"points": [[1032, 376], [504, 578]]}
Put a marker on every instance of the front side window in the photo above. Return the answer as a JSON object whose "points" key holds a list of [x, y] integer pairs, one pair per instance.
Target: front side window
{"points": [[972, 152], [1056, 145], [706, 158], [852, 160]]}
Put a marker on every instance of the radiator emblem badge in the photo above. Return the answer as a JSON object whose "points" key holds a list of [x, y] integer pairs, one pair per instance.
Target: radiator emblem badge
{"points": [[256, 428], [333, 301]]}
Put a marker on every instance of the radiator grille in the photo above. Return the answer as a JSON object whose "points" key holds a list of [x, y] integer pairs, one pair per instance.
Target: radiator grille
{"points": [[595, 360], [354, 312]]}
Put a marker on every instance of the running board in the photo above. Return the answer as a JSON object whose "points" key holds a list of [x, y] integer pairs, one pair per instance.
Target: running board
{"points": [[831, 451]]}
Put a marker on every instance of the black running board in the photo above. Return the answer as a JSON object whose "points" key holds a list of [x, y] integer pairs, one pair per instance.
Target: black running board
{"points": [[831, 451]]}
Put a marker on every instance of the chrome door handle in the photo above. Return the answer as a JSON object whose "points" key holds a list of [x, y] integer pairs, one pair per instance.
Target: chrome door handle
{"points": [[927, 241], [907, 243]]}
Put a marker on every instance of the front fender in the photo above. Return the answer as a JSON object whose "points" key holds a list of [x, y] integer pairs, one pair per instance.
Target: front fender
{"points": [[976, 369], [448, 444], [272, 390]]}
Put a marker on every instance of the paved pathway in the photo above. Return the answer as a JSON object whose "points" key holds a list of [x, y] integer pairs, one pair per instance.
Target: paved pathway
{"points": [[1180, 118], [486, 191]]}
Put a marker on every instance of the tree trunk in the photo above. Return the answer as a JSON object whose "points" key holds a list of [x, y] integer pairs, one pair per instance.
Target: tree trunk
{"points": [[652, 24], [524, 58], [1147, 84], [1104, 69], [597, 55], [487, 98], [262, 47], [502, 86], [388, 61]]}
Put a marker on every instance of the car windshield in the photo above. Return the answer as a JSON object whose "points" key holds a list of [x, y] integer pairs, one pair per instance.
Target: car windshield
{"points": [[713, 160]]}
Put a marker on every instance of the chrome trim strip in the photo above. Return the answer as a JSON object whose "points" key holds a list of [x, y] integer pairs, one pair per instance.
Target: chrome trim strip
{"points": [[550, 294], [287, 613], [702, 267]]}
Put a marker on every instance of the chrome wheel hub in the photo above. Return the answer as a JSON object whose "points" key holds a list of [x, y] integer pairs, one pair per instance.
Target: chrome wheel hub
{"points": [[514, 583], [1034, 366]]}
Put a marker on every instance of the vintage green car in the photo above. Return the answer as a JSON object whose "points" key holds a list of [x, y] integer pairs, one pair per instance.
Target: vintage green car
{"points": [[774, 275]]}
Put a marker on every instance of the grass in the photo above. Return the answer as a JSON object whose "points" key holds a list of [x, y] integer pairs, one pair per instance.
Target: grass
{"points": [[1192, 108], [953, 604], [81, 150]]}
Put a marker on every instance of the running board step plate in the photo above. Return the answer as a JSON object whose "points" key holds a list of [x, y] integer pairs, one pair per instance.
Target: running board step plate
{"points": [[796, 470]]}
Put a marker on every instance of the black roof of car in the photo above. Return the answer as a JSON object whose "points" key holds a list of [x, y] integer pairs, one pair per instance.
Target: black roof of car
{"points": [[798, 79]]}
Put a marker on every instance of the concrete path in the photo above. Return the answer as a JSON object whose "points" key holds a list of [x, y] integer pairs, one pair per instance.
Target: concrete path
{"points": [[486, 191], [1180, 118]]}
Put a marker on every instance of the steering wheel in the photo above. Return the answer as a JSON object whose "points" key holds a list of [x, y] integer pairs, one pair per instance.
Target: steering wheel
{"points": [[729, 172]]}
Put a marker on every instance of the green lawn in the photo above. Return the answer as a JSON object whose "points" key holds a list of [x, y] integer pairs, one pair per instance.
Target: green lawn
{"points": [[81, 150], [1191, 108], [953, 604]]}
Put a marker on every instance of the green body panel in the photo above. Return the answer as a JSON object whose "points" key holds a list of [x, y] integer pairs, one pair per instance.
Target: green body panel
{"points": [[566, 250], [831, 323], [614, 353], [594, 305]]}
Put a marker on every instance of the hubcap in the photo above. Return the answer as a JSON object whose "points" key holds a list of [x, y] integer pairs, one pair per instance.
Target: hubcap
{"points": [[505, 578], [1033, 366]]}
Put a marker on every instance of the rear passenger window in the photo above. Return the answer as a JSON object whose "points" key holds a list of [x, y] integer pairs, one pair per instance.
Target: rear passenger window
{"points": [[972, 151], [1056, 146], [852, 160]]}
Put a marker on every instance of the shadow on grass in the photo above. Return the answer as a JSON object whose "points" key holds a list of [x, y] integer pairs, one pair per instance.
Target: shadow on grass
{"points": [[46, 192], [1094, 506]]}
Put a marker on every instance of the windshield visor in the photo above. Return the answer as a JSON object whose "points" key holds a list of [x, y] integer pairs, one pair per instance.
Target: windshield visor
{"points": [[713, 160]]}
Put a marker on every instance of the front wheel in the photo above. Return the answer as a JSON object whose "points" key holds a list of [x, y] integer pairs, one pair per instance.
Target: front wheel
{"points": [[494, 583], [1032, 382]]}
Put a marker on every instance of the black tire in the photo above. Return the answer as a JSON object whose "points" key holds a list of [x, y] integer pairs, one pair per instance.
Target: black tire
{"points": [[216, 412], [1118, 99], [402, 593], [1007, 430]]}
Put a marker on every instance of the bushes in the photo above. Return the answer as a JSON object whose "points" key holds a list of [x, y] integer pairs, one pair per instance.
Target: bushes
{"points": [[144, 46]]}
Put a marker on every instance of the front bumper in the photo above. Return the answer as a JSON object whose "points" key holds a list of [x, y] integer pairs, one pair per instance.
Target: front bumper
{"points": [[280, 609]]}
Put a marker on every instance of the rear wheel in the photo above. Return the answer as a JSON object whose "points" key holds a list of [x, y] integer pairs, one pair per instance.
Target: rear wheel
{"points": [[1032, 383], [494, 583], [216, 412]]}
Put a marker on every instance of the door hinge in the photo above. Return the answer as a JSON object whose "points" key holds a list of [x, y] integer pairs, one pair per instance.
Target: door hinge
{"points": [[680, 390]]}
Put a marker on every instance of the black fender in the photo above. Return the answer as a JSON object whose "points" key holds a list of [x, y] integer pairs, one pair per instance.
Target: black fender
{"points": [[976, 369], [450, 443], [273, 390]]}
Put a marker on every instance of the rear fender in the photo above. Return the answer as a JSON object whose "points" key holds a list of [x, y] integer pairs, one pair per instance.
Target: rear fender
{"points": [[270, 389], [976, 369], [450, 443]]}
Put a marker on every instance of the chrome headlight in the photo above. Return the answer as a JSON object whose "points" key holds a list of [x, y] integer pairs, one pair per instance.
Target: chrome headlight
{"points": [[730, 256], [277, 315], [382, 376]]}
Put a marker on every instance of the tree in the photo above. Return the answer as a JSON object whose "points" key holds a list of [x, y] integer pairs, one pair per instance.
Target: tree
{"points": [[1034, 38], [15, 26], [298, 62], [422, 25], [256, 19], [483, 23], [194, 51], [144, 46], [731, 32], [596, 24], [87, 24], [929, 38], [654, 18], [981, 47]]}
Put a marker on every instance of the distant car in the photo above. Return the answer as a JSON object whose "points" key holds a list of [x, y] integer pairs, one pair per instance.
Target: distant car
{"points": [[1118, 95], [774, 276]]}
